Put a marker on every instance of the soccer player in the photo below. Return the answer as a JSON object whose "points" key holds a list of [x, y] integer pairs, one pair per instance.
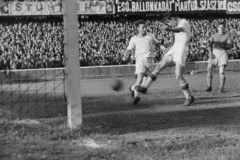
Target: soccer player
{"points": [[143, 44], [175, 56], [219, 43]]}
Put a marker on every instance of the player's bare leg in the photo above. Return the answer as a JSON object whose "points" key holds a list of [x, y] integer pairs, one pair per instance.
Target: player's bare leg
{"points": [[134, 88], [222, 78], [183, 84], [131, 88], [147, 72], [144, 79], [152, 76], [209, 77]]}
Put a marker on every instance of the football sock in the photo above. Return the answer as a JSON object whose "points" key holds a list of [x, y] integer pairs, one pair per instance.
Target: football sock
{"points": [[151, 77], [186, 90], [144, 80], [222, 81], [209, 80], [135, 88]]}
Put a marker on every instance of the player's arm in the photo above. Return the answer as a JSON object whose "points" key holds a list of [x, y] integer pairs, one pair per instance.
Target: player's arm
{"points": [[127, 55], [128, 52], [229, 44], [175, 30], [179, 28], [210, 46]]}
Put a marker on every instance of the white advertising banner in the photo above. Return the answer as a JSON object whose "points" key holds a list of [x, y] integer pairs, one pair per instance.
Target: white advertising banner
{"points": [[35, 8], [85, 7], [96, 7]]}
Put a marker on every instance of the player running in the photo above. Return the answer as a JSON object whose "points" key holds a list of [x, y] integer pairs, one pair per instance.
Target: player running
{"points": [[175, 56], [219, 43], [143, 44]]}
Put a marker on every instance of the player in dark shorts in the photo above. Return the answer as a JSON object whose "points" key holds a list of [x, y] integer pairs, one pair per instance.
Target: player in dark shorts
{"points": [[219, 43]]}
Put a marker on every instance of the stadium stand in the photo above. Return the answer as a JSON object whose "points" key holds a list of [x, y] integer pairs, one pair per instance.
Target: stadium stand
{"points": [[37, 42]]}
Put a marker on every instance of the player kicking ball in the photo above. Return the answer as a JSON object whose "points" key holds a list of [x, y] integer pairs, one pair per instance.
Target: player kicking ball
{"points": [[175, 56], [219, 43], [143, 44]]}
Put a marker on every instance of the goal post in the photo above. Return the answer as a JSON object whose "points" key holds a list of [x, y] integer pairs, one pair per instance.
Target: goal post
{"points": [[71, 42]]}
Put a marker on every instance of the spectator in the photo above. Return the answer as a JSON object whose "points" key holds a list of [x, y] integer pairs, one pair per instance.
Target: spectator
{"points": [[37, 42]]}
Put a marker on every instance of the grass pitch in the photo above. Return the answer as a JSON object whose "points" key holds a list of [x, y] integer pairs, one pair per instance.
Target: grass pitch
{"points": [[157, 128]]}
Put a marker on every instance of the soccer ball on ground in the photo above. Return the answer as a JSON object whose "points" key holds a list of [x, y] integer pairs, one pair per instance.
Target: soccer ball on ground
{"points": [[116, 85]]}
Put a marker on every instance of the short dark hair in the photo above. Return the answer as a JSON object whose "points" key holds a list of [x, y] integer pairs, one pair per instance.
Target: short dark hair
{"points": [[169, 16], [222, 23], [137, 23]]}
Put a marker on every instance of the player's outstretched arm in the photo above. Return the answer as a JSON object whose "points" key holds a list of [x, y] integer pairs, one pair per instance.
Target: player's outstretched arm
{"points": [[175, 30]]}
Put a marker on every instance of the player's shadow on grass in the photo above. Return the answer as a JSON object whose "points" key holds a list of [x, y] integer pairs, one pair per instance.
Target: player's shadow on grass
{"points": [[116, 104], [123, 123], [107, 112], [214, 100]]}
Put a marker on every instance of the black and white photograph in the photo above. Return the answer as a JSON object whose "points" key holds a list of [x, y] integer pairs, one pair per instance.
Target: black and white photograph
{"points": [[119, 79]]}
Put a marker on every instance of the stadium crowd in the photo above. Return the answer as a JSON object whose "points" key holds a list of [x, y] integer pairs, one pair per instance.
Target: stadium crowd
{"points": [[37, 42]]}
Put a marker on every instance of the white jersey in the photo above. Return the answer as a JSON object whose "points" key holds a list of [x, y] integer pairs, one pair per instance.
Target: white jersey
{"points": [[144, 46], [182, 38]]}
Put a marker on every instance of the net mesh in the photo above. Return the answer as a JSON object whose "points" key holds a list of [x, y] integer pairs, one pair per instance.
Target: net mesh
{"points": [[31, 94]]}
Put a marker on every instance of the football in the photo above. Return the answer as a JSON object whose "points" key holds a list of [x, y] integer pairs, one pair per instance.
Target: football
{"points": [[116, 85]]}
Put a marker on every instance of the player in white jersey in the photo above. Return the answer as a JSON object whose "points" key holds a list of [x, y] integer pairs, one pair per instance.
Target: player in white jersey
{"points": [[175, 56], [143, 44]]}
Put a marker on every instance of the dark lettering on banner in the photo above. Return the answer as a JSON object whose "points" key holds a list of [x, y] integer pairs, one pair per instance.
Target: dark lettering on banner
{"points": [[28, 6], [143, 6], [39, 7], [233, 7], [186, 5], [208, 5], [18, 6], [35, 8], [136, 6]]}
